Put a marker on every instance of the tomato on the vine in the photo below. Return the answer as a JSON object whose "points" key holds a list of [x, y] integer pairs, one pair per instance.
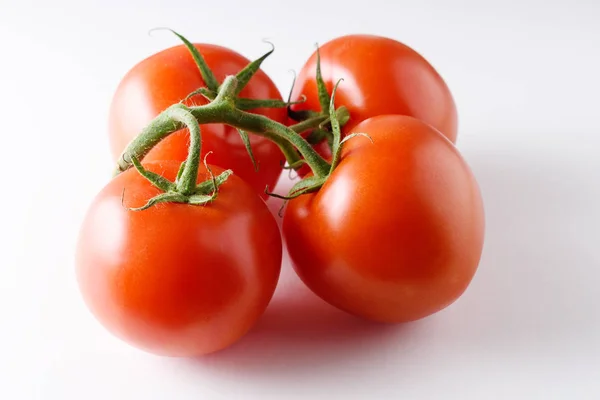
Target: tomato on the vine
{"points": [[396, 232], [166, 78], [177, 279], [380, 76]]}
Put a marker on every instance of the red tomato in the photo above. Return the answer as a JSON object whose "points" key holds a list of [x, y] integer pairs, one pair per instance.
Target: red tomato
{"points": [[168, 77], [177, 279], [396, 233], [381, 76]]}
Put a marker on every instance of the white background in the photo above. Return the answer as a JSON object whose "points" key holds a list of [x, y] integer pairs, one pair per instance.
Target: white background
{"points": [[526, 78]]}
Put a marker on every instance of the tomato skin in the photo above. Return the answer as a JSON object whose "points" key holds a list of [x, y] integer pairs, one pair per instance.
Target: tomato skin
{"points": [[396, 233], [176, 279], [381, 76], [166, 78]]}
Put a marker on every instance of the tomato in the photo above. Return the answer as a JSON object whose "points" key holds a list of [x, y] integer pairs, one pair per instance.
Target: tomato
{"points": [[177, 279], [168, 77], [396, 232], [381, 76]]}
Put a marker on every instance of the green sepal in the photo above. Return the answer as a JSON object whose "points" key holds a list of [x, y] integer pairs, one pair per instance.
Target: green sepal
{"points": [[181, 168], [338, 152], [336, 130], [169, 197], [322, 88], [244, 76], [306, 185], [246, 140], [201, 199], [207, 186], [205, 71], [157, 180]]}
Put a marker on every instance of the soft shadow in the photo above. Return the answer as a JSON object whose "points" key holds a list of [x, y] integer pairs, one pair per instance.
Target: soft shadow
{"points": [[533, 289], [300, 332], [534, 285]]}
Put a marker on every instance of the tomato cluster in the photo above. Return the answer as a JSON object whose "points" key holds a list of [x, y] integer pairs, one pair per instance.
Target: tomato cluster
{"points": [[168, 77], [182, 259]]}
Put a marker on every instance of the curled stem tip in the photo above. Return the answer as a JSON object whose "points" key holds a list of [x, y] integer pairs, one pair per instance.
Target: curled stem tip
{"points": [[158, 28], [210, 173], [353, 135], [205, 71]]}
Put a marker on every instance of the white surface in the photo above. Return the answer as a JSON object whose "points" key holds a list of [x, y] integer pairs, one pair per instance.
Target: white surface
{"points": [[525, 75]]}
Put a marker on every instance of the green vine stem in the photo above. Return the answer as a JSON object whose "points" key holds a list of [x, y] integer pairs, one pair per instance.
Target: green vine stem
{"points": [[186, 184], [184, 189], [158, 129], [264, 126], [223, 110], [342, 113]]}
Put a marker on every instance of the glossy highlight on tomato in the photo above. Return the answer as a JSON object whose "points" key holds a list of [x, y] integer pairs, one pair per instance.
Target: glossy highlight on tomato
{"points": [[177, 279], [166, 78], [396, 232]]}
